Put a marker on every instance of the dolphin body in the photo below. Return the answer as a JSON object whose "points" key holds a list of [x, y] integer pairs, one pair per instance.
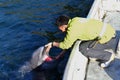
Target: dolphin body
{"points": [[38, 57], [36, 60]]}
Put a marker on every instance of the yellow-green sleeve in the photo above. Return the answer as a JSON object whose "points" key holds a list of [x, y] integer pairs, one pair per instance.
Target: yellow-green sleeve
{"points": [[70, 38]]}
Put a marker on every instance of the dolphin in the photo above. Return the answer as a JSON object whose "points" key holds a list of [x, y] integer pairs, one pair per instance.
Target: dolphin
{"points": [[38, 57]]}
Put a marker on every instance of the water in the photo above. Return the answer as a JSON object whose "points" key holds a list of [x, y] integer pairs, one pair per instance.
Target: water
{"points": [[26, 25]]}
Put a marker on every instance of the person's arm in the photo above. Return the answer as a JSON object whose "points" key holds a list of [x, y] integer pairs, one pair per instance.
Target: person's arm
{"points": [[71, 36]]}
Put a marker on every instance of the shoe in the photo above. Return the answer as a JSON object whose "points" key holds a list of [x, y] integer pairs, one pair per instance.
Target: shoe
{"points": [[106, 64]]}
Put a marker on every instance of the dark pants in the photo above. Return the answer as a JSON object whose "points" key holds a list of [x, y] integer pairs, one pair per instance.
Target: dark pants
{"points": [[99, 50]]}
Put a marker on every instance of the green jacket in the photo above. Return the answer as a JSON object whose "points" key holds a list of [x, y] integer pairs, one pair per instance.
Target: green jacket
{"points": [[85, 29]]}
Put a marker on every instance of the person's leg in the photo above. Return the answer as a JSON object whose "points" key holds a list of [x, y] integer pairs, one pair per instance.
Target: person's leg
{"points": [[106, 64], [112, 44], [97, 53], [100, 51]]}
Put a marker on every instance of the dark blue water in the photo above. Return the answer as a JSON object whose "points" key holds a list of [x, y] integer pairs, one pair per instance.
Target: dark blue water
{"points": [[26, 25]]}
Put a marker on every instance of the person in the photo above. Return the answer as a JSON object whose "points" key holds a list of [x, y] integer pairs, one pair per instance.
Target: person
{"points": [[98, 38]]}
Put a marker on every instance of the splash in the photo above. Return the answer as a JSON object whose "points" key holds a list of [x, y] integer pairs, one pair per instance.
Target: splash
{"points": [[26, 68]]}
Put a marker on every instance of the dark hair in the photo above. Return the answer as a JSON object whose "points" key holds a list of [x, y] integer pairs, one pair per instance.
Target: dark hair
{"points": [[62, 20]]}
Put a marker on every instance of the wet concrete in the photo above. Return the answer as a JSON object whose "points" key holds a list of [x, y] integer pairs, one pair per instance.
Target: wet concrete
{"points": [[112, 72]]}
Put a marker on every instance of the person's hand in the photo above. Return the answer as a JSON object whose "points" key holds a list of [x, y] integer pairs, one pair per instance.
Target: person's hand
{"points": [[49, 45]]}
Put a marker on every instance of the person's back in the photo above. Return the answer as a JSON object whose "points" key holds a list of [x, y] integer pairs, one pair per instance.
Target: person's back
{"points": [[89, 29]]}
